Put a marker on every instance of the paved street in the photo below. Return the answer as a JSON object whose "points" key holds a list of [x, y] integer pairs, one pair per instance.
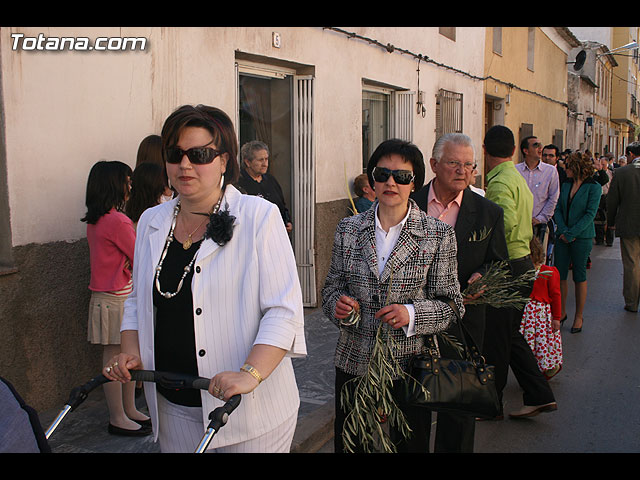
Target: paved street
{"points": [[597, 390]]}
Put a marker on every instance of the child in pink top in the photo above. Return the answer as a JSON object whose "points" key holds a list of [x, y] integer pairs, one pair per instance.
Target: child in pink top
{"points": [[111, 239]]}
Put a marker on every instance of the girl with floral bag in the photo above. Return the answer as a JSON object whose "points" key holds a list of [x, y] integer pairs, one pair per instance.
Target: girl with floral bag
{"points": [[542, 315]]}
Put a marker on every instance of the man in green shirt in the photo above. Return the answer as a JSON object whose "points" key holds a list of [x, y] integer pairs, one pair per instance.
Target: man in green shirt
{"points": [[509, 189], [504, 345]]}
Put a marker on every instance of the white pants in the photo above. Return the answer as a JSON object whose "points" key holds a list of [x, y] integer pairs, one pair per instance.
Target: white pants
{"points": [[181, 430]]}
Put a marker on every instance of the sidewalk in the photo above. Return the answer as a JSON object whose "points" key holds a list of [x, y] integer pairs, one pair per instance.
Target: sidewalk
{"points": [[85, 429]]}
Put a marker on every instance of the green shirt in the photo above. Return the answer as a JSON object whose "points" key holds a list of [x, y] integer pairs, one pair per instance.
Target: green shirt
{"points": [[509, 189]]}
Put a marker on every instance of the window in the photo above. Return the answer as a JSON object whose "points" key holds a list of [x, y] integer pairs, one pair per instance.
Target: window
{"points": [[375, 121], [386, 113], [449, 32], [497, 40], [531, 47], [448, 112]]}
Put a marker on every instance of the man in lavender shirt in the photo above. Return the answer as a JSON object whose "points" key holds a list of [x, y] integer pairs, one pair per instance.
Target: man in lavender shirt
{"points": [[543, 183]]}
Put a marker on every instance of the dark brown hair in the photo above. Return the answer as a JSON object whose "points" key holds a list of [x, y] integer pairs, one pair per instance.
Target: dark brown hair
{"points": [[147, 186], [216, 122]]}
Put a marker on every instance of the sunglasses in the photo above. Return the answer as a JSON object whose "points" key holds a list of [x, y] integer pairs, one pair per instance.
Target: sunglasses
{"points": [[196, 155], [401, 177]]}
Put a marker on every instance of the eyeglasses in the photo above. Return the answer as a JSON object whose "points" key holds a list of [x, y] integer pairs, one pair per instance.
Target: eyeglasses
{"points": [[401, 177], [453, 164], [196, 155]]}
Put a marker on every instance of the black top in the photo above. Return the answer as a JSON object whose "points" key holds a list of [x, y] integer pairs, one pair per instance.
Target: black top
{"points": [[268, 188], [175, 345]]}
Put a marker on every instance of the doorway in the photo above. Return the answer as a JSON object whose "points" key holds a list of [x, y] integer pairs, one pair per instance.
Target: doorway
{"points": [[265, 115], [275, 106]]}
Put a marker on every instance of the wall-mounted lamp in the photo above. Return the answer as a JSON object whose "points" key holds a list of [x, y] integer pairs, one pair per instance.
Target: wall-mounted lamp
{"points": [[421, 110]]}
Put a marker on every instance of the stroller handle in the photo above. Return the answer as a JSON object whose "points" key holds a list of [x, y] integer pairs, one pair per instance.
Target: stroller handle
{"points": [[170, 380], [167, 379]]}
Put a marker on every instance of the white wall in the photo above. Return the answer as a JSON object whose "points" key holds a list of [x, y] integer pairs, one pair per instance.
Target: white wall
{"points": [[66, 110]]}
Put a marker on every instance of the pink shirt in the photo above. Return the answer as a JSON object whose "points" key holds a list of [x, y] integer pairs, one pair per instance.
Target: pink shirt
{"points": [[111, 244], [446, 213]]}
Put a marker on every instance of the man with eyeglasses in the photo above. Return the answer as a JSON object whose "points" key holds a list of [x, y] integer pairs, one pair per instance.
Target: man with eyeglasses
{"points": [[479, 227], [543, 181], [504, 345]]}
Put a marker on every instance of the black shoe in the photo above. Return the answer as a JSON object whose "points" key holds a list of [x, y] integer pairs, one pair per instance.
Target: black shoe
{"points": [[629, 309], [497, 418], [576, 330], [140, 432], [144, 423]]}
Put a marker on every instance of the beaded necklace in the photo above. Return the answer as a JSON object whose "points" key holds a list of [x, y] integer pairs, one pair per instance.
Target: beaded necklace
{"points": [[168, 242]]}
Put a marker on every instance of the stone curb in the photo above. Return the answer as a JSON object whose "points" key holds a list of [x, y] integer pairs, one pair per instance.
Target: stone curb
{"points": [[314, 430]]}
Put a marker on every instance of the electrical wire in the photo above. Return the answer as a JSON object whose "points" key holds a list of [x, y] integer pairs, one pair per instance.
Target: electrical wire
{"points": [[392, 48]]}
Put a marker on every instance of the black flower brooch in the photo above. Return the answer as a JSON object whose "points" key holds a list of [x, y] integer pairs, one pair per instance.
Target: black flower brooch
{"points": [[220, 228]]}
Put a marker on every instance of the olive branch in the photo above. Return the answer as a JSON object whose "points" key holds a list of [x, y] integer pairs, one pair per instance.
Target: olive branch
{"points": [[481, 235], [371, 403], [500, 289]]}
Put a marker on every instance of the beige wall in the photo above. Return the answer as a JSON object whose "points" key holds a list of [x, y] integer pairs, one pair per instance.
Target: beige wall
{"points": [[66, 110], [625, 83], [548, 78]]}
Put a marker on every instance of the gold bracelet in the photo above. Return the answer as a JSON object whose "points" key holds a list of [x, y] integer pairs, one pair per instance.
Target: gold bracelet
{"points": [[250, 369]]}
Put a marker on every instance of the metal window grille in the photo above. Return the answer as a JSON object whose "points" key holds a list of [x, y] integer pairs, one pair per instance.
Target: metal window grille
{"points": [[448, 112]]}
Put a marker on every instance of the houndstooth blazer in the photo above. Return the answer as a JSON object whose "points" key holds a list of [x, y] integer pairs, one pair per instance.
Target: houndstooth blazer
{"points": [[422, 267]]}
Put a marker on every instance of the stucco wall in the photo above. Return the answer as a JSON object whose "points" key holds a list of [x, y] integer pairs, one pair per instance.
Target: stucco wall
{"points": [[548, 79], [66, 110]]}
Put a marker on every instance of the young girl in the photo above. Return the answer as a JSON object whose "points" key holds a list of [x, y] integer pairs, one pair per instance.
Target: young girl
{"points": [[111, 239], [541, 320]]}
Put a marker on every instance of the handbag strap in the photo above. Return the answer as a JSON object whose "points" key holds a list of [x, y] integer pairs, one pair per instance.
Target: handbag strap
{"points": [[470, 348]]}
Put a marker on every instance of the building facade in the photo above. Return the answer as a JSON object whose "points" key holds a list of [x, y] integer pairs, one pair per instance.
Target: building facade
{"points": [[624, 120], [526, 82], [589, 81], [322, 98]]}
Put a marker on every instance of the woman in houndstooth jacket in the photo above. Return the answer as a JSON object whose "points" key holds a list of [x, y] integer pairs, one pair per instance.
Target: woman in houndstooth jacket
{"points": [[394, 241]]}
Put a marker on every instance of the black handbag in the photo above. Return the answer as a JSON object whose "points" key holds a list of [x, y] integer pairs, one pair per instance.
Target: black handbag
{"points": [[464, 386]]}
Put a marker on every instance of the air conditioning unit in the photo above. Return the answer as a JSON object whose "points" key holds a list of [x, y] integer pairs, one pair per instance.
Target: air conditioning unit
{"points": [[583, 63]]}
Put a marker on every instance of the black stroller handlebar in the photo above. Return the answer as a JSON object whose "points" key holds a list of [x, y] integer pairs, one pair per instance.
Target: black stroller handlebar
{"points": [[218, 417], [166, 379]]}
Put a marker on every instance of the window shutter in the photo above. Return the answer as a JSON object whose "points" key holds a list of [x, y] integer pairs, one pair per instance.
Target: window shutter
{"points": [[304, 187], [403, 115]]}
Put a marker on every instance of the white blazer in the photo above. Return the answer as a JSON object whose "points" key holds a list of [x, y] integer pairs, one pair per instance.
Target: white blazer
{"points": [[247, 292]]}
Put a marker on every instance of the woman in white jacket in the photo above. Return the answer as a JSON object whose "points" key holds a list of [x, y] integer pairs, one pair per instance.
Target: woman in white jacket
{"points": [[216, 294]]}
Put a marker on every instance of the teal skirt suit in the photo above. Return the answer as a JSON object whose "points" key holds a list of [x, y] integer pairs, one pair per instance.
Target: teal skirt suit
{"points": [[574, 218]]}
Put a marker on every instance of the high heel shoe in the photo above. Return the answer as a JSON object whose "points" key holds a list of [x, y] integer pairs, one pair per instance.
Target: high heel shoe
{"points": [[562, 320], [576, 329]]}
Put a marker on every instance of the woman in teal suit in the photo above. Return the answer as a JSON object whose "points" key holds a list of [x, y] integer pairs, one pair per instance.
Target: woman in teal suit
{"points": [[575, 211]]}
